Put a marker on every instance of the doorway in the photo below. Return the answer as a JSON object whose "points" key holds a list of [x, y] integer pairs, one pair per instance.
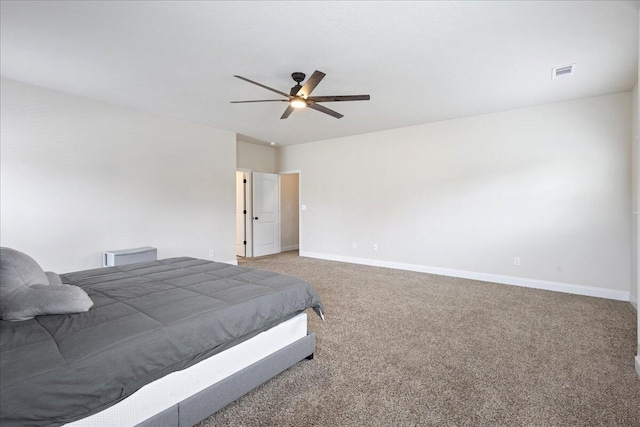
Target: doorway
{"points": [[290, 211], [267, 212]]}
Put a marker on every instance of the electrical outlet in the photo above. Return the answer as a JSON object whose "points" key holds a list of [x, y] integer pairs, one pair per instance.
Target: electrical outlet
{"points": [[212, 253], [375, 246], [353, 245], [516, 260]]}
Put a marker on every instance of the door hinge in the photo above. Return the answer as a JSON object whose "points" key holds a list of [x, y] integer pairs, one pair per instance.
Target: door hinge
{"points": [[244, 181], [244, 243], [244, 211]]}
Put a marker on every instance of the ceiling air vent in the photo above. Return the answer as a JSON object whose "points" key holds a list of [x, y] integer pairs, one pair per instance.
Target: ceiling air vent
{"points": [[565, 71]]}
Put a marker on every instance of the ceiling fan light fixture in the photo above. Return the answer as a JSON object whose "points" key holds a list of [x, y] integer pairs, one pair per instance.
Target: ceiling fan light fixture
{"points": [[298, 103], [299, 96]]}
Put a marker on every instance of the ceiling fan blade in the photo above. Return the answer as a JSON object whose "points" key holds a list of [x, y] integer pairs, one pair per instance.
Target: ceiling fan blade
{"points": [[337, 98], [311, 84], [260, 100], [263, 86], [325, 110], [287, 112]]}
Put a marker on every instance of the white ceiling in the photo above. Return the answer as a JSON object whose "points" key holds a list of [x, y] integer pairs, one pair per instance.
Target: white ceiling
{"points": [[420, 61]]}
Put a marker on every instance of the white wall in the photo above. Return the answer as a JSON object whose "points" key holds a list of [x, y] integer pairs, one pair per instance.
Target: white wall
{"points": [[637, 195], [549, 184], [258, 158], [289, 211], [80, 176], [635, 191]]}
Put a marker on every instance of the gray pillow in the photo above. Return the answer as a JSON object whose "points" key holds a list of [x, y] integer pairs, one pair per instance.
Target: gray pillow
{"points": [[26, 291], [53, 278]]}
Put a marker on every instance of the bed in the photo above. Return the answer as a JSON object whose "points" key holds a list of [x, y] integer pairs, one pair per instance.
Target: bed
{"points": [[166, 342]]}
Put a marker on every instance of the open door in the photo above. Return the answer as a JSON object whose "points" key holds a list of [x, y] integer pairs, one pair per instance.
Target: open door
{"points": [[266, 214]]}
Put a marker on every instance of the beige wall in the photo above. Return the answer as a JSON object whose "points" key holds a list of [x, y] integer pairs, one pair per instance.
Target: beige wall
{"points": [[79, 177], [549, 184], [258, 158], [289, 211]]}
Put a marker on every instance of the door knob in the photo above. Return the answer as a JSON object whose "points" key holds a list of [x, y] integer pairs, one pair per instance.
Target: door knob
{"points": [[255, 218]]}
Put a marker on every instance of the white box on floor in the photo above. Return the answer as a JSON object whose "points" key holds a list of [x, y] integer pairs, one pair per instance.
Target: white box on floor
{"points": [[129, 256]]}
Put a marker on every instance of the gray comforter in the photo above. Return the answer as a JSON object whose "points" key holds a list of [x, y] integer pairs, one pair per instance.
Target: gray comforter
{"points": [[148, 320]]}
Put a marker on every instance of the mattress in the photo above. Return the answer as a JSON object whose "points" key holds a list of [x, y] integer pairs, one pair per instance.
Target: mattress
{"points": [[179, 386], [148, 320]]}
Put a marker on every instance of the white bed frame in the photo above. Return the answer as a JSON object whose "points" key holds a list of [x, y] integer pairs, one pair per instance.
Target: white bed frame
{"points": [[186, 397]]}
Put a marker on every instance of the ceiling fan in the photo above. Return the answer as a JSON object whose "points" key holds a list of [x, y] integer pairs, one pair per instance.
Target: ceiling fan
{"points": [[299, 96]]}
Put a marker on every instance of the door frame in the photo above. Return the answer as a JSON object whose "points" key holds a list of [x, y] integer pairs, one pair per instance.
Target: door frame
{"points": [[292, 172], [248, 218]]}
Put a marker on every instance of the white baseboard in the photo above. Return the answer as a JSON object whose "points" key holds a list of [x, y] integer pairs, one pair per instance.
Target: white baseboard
{"points": [[289, 248], [633, 301], [486, 277], [234, 262], [638, 365]]}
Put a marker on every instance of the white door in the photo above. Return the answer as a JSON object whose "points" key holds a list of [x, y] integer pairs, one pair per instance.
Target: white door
{"points": [[266, 214], [241, 213]]}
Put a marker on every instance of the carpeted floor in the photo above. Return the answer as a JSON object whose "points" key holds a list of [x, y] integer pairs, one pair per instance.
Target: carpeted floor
{"points": [[409, 349]]}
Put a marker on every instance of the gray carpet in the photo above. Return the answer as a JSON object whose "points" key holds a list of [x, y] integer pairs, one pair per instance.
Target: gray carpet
{"points": [[405, 349]]}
